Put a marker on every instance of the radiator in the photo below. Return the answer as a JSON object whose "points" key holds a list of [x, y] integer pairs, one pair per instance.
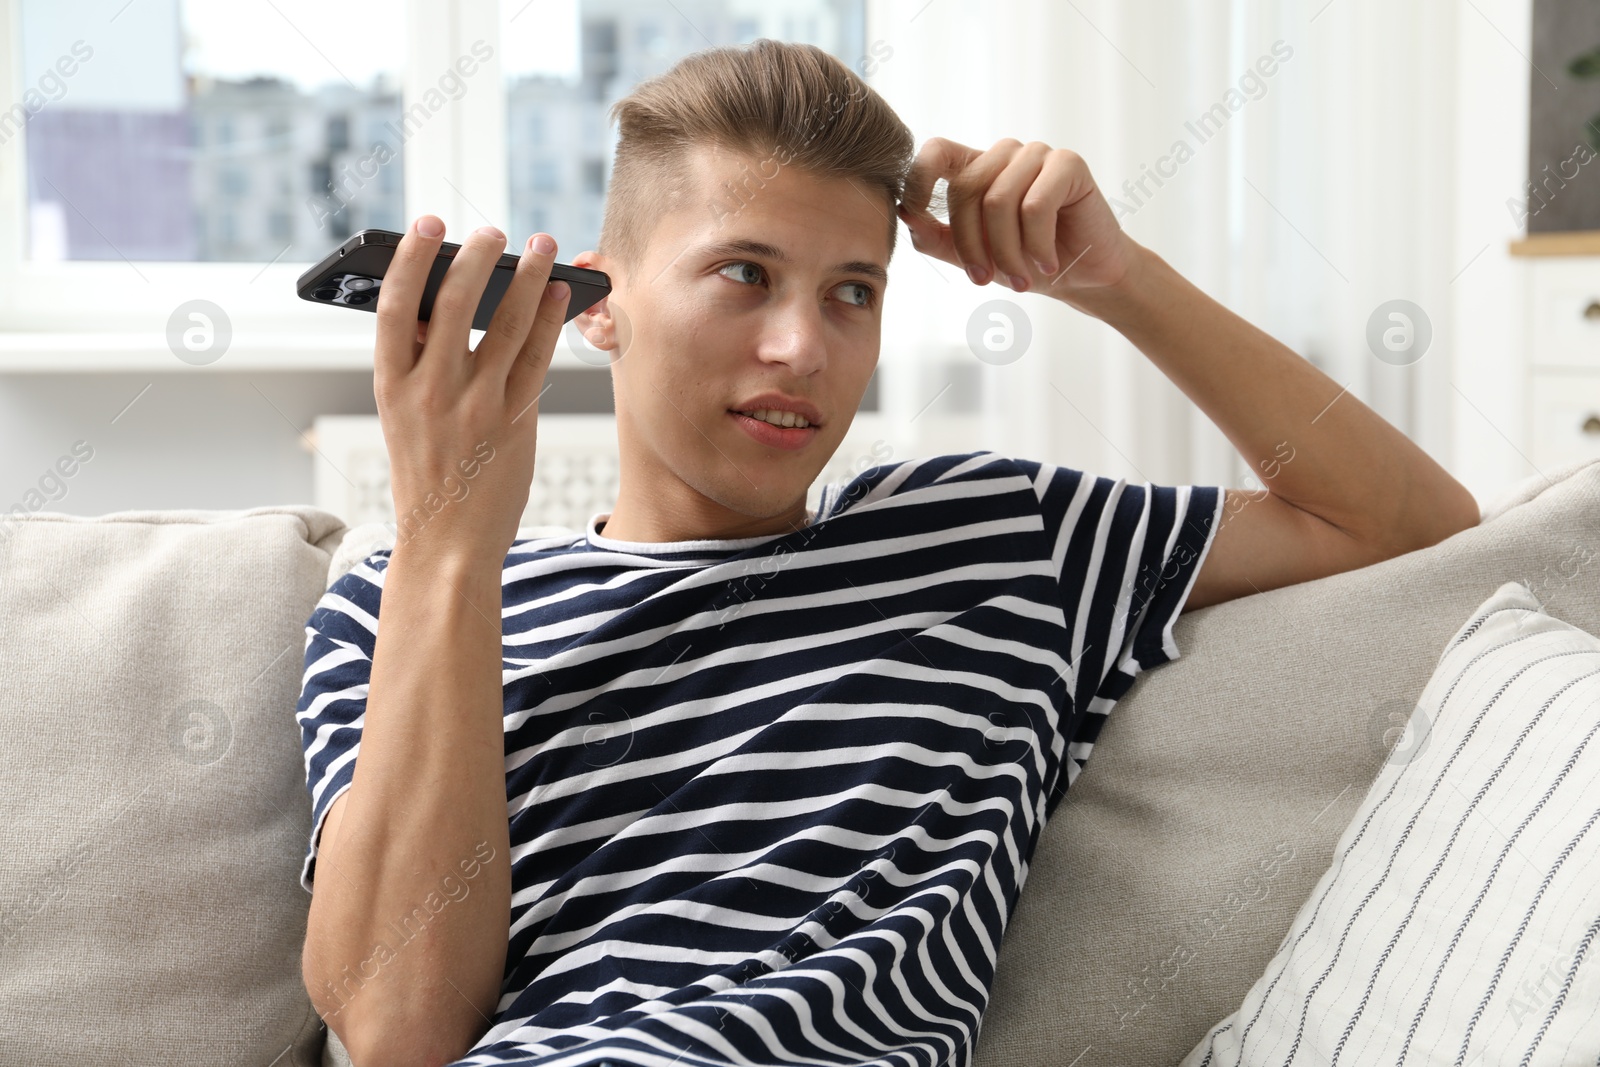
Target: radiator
{"points": [[575, 473]]}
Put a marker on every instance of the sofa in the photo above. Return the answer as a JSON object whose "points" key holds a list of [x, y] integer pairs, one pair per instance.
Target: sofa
{"points": [[154, 811]]}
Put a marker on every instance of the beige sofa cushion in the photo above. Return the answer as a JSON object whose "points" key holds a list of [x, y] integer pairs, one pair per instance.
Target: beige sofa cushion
{"points": [[1220, 785], [154, 813], [1456, 922]]}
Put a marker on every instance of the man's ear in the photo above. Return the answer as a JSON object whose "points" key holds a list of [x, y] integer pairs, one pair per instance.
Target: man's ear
{"points": [[598, 323]]}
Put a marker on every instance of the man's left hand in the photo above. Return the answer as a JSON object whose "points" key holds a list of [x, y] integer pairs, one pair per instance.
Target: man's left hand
{"points": [[1026, 215]]}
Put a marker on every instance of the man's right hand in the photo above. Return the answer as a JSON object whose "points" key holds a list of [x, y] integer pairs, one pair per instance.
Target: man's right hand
{"points": [[459, 423]]}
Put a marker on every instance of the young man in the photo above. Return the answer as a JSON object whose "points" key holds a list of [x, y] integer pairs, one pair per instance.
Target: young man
{"points": [[722, 780]]}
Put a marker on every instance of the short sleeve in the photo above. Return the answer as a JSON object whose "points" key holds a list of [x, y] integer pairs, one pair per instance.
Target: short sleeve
{"points": [[1125, 558], [340, 637]]}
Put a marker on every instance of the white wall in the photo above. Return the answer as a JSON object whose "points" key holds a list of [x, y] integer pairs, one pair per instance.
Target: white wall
{"points": [[212, 441], [1489, 167]]}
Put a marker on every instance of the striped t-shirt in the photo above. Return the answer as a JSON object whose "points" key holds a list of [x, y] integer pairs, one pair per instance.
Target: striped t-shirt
{"points": [[772, 799]]}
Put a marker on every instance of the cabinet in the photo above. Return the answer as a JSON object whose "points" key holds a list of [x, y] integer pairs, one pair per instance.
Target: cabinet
{"points": [[1563, 348]]}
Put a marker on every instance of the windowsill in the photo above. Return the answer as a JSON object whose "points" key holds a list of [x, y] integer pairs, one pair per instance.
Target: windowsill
{"points": [[55, 353], [40, 352]]}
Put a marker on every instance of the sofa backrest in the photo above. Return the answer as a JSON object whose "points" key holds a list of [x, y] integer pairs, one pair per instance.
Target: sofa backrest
{"points": [[153, 814], [1221, 783]]}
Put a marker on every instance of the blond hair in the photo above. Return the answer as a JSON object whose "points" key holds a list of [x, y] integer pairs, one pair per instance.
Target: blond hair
{"points": [[787, 104]]}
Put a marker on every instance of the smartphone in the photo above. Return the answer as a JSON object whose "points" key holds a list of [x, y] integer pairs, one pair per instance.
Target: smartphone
{"points": [[350, 275]]}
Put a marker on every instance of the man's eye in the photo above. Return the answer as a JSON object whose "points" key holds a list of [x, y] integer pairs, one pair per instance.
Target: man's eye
{"points": [[742, 263], [864, 293]]}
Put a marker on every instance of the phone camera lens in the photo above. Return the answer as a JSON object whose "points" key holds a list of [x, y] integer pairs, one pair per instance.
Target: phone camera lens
{"points": [[357, 285], [357, 298], [326, 294]]}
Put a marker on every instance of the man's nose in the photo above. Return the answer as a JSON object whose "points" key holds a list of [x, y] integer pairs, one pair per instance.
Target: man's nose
{"points": [[796, 334]]}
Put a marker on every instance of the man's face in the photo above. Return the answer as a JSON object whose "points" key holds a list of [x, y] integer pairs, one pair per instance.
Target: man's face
{"points": [[704, 325]]}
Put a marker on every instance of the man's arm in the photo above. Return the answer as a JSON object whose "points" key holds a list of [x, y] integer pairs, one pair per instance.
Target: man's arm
{"points": [[425, 815], [428, 791], [1343, 488]]}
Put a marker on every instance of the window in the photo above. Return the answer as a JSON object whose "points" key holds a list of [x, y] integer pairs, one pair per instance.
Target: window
{"points": [[651, 40], [545, 177], [338, 133], [190, 104], [561, 79], [277, 133]]}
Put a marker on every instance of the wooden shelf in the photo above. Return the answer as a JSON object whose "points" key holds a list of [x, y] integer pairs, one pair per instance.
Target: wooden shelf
{"points": [[1571, 243]]}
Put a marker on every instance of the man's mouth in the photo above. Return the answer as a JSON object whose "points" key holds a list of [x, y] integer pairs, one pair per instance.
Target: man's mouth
{"points": [[780, 419], [787, 438]]}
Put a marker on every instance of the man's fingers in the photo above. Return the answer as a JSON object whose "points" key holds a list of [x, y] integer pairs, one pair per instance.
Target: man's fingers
{"points": [[1054, 188], [517, 310], [1002, 210], [929, 236], [968, 174], [527, 374], [400, 298], [938, 158], [950, 160], [457, 301], [967, 191]]}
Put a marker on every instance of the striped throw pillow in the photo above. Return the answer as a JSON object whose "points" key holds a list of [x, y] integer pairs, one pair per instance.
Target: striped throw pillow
{"points": [[1459, 922]]}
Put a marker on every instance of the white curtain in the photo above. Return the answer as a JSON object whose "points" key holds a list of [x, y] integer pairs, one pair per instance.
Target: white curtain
{"points": [[1330, 190]]}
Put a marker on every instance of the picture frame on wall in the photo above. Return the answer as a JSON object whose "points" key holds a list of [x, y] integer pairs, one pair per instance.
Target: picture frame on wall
{"points": [[1562, 194]]}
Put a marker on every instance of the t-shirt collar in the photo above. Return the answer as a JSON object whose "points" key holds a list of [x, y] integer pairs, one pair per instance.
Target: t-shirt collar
{"points": [[596, 539]]}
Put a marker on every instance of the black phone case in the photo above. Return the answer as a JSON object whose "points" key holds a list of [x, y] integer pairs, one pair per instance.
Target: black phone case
{"points": [[367, 255]]}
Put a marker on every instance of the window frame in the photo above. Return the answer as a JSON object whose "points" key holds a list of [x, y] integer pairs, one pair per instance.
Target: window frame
{"points": [[136, 298]]}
